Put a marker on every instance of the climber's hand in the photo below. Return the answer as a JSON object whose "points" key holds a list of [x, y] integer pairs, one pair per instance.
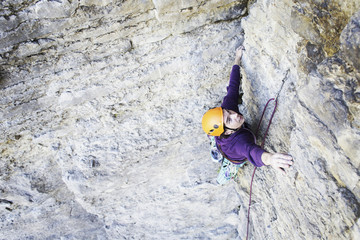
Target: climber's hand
{"points": [[278, 161], [238, 55]]}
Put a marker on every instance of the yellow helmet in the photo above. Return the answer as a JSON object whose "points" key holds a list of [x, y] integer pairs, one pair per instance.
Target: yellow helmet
{"points": [[212, 122]]}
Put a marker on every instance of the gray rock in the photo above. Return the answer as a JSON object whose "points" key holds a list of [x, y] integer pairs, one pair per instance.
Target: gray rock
{"points": [[101, 103]]}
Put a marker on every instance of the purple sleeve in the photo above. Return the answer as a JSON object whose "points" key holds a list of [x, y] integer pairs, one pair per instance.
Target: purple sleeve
{"points": [[249, 149], [231, 99], [255, 155]]}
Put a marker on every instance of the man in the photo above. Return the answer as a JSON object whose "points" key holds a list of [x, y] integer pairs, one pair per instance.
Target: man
{"points": [[230, 136]]}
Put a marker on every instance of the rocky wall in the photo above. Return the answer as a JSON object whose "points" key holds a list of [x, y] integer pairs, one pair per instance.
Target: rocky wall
{"points": [[100, 109], [316, 119], [101, 103]]}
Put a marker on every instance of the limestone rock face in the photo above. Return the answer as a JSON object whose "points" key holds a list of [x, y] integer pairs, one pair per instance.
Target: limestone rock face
{"points": [[101, 106], [317, 119]]}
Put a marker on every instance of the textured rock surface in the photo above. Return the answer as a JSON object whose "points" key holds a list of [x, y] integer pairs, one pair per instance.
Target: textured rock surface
{"points": [[101, 104], [317, 118]]}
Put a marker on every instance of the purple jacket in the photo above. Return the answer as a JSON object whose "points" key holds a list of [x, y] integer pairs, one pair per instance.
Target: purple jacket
{"points": [[240, 145]]}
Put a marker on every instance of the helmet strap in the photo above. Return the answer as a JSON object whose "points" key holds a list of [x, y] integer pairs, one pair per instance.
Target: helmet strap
{"points": [[233, 129]]}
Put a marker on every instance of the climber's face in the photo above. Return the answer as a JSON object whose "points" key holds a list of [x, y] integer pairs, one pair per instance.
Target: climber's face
{"points": [[232, 121]]}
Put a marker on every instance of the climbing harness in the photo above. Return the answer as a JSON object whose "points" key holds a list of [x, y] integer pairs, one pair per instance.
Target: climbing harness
{"points": [[228, 169], [263, 142]]}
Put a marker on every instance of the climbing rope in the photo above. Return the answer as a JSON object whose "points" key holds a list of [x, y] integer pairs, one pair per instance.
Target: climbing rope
{"points": [[263, 142], [262, 145]]}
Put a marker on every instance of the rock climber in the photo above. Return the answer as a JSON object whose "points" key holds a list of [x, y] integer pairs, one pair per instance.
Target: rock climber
{"points": [[231, 139]]}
